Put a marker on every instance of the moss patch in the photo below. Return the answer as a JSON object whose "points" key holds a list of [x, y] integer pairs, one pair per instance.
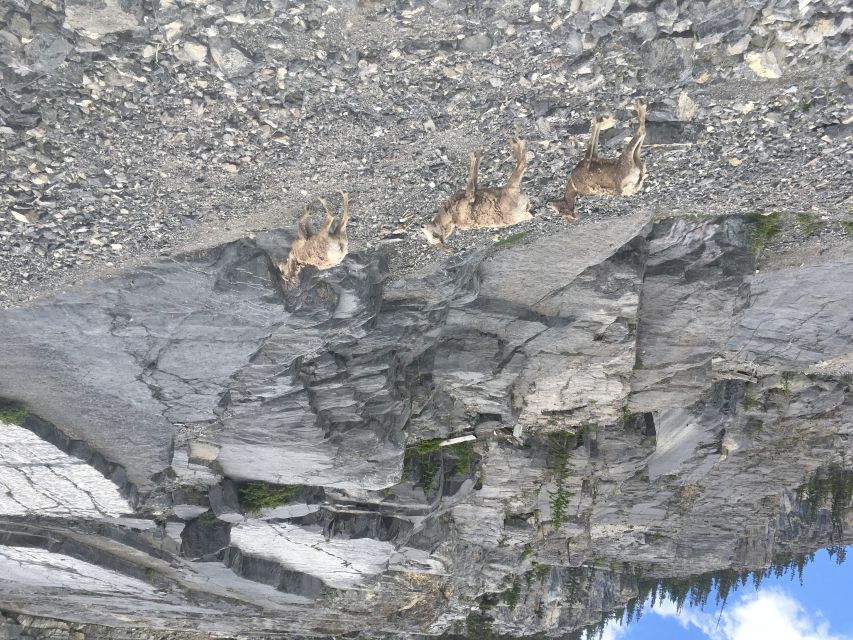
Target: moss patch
{"points": [[753, 427], [429, 456], [809, 223], [207, 517], [12, 414], [511, 595], [424, 447], [541, 571], [464, 452], [511, 239], [765, 227], [256, 496]]}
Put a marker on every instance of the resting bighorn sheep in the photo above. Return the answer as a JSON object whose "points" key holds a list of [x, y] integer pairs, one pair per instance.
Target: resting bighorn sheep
{"points": [[594, 176], [324, 249], [477, 208]]}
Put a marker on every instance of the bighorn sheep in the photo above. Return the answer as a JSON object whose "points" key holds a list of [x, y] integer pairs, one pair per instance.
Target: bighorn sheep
{"points": [[477, 208], [594, 176], [324, 249]]}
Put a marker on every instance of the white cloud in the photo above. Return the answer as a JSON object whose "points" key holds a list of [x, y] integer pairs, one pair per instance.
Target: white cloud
{"points": [[769, 614], [613, 631]]}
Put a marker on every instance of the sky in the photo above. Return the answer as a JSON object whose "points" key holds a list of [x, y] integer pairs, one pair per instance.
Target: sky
{"points": [[820, 609]]}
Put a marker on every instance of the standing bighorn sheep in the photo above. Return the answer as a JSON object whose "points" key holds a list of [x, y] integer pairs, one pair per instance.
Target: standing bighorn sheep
{"points": [[476, 208], [594, 176], [324, 249]]}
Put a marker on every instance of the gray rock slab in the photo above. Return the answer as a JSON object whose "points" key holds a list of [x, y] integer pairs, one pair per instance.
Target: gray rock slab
{"points": [[796, 317], [688, 308], [38, 478], [535, 277]]}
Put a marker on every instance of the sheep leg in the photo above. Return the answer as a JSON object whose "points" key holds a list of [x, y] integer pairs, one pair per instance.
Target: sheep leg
{"points": [[473, 170], [514, 181]]}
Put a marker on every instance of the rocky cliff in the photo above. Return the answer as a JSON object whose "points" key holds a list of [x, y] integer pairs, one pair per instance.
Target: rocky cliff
{"points": [[520, 437], [645, 406]]}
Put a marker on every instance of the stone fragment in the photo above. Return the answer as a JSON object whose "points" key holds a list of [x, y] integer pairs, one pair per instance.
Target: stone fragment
{"points": [[666, 12], [194, 51], [597, 9], [229, 58], [642, 24], [668, 60], [224, 499], [720, 19], [20, 25], [46, 51], [739, 47], [686, 107], [476, 43], [764, 64], [99, 18], [203, 537]]}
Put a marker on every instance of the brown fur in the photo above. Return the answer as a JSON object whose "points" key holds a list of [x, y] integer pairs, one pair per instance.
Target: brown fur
{"points": [[324, 249], [594, 176], [476, 208]]}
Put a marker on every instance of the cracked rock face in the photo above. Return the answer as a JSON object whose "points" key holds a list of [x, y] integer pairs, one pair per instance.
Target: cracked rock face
{"points": [[368, 451], [514, 438], [40, 568], [36, 478]]}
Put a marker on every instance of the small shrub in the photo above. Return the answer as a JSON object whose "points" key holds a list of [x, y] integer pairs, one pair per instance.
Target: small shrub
{"points": [[560, 446], [766, 225], [464, 452], [207, 517], [430, 465], [526, 551], [809, 223], [753, 426], [256, 496], [511, 239], [749, 402], [426, 446], [541, 571], [847, 227], [479, 627], [511, 595], [12, 414], [430, 455]]}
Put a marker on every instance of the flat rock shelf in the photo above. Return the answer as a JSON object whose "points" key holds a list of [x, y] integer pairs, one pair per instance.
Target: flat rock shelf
{"points": [[520, 437]]}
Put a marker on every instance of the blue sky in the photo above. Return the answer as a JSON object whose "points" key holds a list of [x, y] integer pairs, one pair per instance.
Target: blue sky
{"points": [[820, 609]]}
